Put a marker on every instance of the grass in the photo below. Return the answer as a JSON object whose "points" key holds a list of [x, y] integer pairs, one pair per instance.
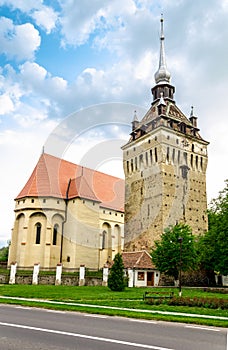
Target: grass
{"points": [[131, 298]]}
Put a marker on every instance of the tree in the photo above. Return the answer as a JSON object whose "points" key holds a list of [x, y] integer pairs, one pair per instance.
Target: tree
{"points": [[116, 275], [175, 250], [4, 251], [214, 244]]}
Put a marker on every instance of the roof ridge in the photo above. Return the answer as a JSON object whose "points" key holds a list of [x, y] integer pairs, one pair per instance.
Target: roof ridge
{"points": [[139, 258], [81, 166]]}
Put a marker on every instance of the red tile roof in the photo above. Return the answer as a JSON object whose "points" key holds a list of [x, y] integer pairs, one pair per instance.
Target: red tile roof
{"points": [[140, 260], [54, 177]]}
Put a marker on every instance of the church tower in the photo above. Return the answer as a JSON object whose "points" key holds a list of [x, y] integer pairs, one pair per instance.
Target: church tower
{"points": [[165, 164]]}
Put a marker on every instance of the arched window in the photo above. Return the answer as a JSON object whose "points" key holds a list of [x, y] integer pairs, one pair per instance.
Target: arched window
{"points": [[155, 154], [167, 154], [136, 163], [127, 167], [103, 239], [55, 232], [38, 232]]}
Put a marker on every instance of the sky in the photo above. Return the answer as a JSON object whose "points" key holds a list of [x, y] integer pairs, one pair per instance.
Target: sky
{"points": [[73, 72]]}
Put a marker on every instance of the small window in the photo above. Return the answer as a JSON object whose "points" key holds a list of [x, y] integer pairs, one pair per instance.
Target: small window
{"points": [[183, 128], [55, 233], [155, 154], [103, 240], [141, 276], [173, 156], [127, 167], [196, 162], [38, 232], [32, 200], [132, 165], [136, 163], [201, 163], [167, 154], [44, 200], [151, 156], [58, 202], [185, 158], [178, 157], [146, 154], [141, 160], [68, 258]]}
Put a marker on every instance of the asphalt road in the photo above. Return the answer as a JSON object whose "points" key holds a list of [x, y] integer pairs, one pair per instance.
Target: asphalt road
{"points": [[30, 328]]}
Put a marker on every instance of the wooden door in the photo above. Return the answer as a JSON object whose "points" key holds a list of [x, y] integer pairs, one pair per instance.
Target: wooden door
{"points": [[150, 278]]}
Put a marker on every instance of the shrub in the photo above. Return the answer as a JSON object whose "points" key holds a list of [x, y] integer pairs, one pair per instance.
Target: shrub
{"points": [[210, 303], [116, 275]]}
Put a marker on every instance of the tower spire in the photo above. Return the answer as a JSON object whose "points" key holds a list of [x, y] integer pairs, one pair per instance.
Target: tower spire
{"points": [[162, 75]]}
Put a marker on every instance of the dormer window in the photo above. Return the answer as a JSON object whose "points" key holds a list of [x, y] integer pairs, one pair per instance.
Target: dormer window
{"points": [[183, 128]]}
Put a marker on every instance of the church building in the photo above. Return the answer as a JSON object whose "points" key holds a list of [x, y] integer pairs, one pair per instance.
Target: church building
{"points": [[67, 214], [74, 215], [165, 163]]}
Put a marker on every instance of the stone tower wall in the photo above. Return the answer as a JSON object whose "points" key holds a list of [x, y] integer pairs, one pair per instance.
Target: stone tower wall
{"points": [[165, 174]]}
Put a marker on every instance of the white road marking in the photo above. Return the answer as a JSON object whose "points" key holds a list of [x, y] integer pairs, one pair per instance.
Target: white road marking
{"points": [[142, 321], [107, 340], [54, 311], [204, 328]]}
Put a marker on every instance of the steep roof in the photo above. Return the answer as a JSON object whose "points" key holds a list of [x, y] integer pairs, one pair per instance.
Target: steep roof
{"points": [[139, 259], [56, 177]]}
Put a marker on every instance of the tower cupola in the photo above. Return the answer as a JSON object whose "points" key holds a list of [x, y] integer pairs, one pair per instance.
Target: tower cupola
{"points": [[162, 76]]}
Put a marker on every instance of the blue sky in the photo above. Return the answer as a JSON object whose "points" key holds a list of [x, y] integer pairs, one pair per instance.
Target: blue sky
{"points": [[62, 56]]}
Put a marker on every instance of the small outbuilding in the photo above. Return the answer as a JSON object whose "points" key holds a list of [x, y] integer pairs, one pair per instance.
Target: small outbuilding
{"points": [[140, 269]]}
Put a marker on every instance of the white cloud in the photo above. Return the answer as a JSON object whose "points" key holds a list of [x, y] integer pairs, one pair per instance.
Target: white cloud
{"points": [[20, 150], [6, 104], [80, 22], [19, 41], [45, 16], [24, 6]]}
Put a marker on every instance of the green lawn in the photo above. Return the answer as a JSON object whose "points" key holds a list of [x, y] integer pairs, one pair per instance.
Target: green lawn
{"points": [[131, 298]]}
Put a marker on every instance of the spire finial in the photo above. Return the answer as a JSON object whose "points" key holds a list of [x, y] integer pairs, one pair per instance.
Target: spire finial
{"points": [[135, 118], [162, 74]]}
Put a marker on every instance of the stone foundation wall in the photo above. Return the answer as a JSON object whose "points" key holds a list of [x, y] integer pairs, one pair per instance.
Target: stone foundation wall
{"points": [[50, 280]]}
